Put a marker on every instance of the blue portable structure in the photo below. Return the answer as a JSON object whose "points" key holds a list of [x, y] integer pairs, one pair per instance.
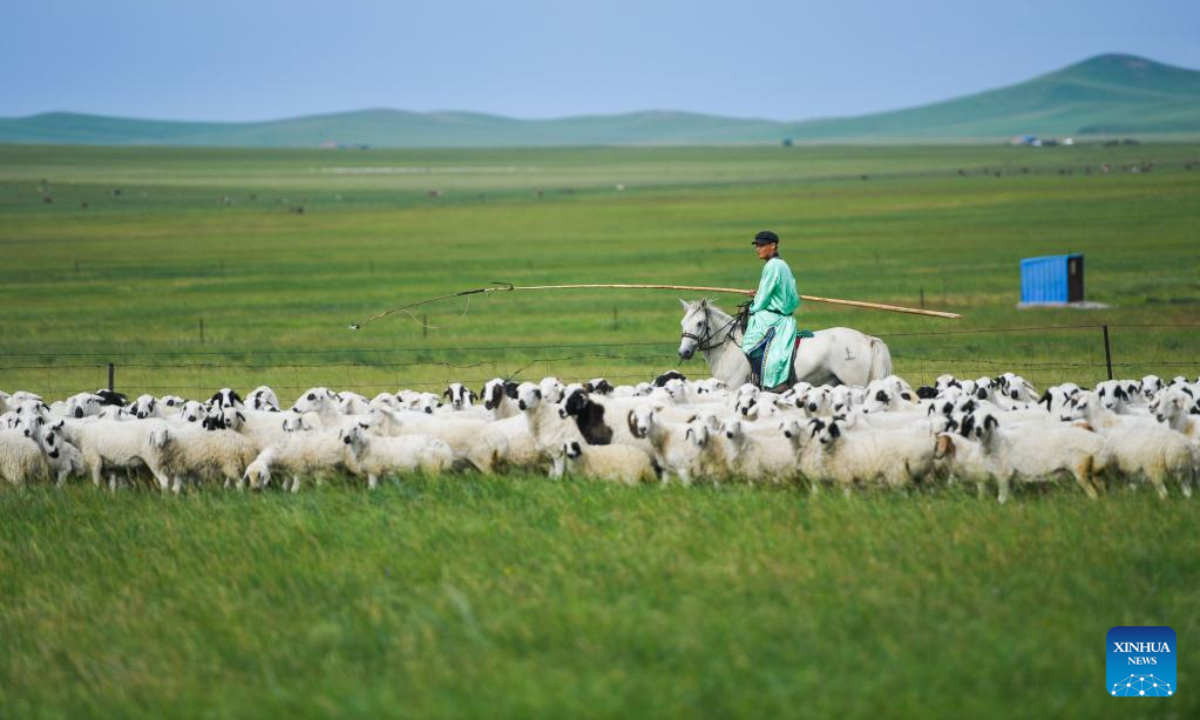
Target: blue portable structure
{"points": [[1052, 279]]}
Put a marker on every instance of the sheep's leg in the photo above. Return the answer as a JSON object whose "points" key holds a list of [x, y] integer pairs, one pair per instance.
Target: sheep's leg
{"points": [[372, 481], [112, 482], [1160, 485], [62, 478], [1083, 476], [1002, 484], [295, 483]]}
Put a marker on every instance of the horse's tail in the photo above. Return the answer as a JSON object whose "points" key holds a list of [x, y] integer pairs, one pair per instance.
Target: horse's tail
{"points": [[881, 360]]}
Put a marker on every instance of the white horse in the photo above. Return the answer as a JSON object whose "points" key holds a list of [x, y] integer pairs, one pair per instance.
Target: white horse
{"points": [[835, 356]]}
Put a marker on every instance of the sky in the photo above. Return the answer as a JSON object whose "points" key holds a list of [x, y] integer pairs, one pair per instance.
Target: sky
{"points": [[248, 60]]}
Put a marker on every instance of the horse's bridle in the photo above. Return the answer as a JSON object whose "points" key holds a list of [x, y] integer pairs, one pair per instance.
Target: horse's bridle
{"points": [[709, 335]]}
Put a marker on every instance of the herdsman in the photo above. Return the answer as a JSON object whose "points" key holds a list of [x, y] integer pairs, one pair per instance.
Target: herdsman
{"points": [[771, 332]]}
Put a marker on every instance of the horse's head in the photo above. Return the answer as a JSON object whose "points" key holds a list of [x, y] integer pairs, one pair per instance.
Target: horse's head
{"points": [[694, 327]]}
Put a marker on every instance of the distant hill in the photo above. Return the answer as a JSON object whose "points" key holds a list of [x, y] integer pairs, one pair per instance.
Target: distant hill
{"points": [[1108, 94]]}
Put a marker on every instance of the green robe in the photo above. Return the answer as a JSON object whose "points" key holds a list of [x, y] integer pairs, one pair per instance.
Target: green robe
{"points": [[772, 307]]}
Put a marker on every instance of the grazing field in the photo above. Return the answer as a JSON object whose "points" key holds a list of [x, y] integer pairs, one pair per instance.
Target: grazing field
{"points": [[213, 236], [518, 596], [511, 598]]}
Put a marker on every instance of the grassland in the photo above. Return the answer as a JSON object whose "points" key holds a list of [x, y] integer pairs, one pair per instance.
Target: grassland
{"points": [[500, 598], [211, 236], [517, 596]]}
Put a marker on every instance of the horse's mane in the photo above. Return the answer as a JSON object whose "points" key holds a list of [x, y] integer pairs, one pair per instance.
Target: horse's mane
{"points": [[710, 308], [718, 318]]}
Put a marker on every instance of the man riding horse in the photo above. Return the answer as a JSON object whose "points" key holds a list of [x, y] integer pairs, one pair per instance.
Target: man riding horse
{"points": [[771, 332]]}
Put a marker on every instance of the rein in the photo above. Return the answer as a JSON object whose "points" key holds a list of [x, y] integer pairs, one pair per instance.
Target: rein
{"points": [[702, 343]]}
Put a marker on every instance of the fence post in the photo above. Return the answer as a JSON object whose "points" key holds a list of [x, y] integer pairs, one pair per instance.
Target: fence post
{"points": [[111, 373], [1107, 353]]}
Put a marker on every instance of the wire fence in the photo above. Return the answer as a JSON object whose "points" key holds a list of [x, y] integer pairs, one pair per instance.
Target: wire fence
{"points": [[1045, 355]]}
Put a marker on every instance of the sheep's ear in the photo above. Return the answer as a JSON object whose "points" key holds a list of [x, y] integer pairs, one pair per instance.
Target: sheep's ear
{"points": [[684, 303], [446, 393], [834, 430], [241, 417], [968, 424], [364, 426], [881, 396], [990, 422]]}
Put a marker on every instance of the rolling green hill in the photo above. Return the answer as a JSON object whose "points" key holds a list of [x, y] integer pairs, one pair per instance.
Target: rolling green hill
{"points": [[1108, 94]]}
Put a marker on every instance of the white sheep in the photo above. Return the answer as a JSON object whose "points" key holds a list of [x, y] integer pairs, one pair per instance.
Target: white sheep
{"points": [[323, 402], [459, 397], [226, 398], [464, 435], [1026, 453], [300, 455], [500, 398], [1178, 410], [123, 445], [762, 453], [351, 403], [894, 458], [512, 441], [678, 448], [615, 463], [21, 460], [65, 460], [262, 398], [145, 407], [201, 455], [374, 456]]}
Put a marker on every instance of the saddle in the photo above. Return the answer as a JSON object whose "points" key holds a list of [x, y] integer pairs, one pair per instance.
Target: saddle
{"points": [[801, 335]]}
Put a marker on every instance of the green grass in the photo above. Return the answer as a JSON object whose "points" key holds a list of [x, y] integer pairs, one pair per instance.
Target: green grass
{"points": [[136, 273], [474, 597], [517, 596]]}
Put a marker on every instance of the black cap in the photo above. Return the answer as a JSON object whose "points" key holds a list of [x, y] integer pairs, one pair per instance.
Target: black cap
{"points": [[765, 237]]}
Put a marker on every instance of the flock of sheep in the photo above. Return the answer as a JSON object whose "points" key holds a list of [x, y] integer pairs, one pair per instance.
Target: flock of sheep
{"points": [[989, 432]]}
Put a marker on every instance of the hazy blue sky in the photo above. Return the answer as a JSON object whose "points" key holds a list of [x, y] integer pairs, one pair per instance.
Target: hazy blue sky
{"points": [[247, 60]]}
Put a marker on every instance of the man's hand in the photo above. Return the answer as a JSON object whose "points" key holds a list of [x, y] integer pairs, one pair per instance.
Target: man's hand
{"points": [[753, 293]]}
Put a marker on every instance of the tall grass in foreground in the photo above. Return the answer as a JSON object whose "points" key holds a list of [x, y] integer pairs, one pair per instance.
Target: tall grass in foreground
{"points": [[520, 596]]}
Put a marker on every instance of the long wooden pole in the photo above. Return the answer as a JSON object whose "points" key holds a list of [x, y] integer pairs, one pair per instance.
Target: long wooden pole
{"points": [[739, 291], [506, 287]]}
